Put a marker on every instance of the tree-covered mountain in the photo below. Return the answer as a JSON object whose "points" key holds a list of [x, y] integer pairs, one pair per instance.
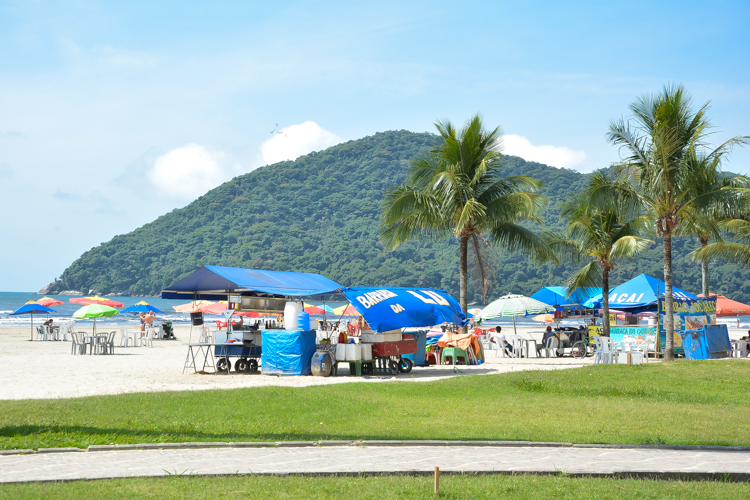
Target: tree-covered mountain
{"points": [[320, 214]]}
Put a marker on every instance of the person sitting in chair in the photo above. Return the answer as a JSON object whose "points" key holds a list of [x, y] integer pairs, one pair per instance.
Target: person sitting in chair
{"points": [[48, 323], [548, 334], [502, 343]]}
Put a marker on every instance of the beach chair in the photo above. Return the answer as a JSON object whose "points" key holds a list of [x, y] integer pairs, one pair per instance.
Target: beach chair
{"points": [[108, 346], [147, 339], [550, 348], [78, 347], [739, 349], [604, 347]]}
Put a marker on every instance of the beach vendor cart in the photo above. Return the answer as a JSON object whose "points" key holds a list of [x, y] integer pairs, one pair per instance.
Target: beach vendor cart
{"points": [[286, 351], [388, 310]]}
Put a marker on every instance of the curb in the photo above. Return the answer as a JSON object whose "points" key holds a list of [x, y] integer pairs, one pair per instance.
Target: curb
{"points": [[373, 443]]}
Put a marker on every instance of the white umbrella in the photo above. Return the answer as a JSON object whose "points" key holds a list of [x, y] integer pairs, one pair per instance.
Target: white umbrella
{"points": [[510, 306]]}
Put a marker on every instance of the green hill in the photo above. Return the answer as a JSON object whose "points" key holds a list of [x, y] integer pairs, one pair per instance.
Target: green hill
{"points": [[320, 214]]}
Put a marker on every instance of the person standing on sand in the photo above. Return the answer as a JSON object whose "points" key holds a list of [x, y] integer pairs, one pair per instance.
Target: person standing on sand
{"points": [[738, 321], [143, 323]]}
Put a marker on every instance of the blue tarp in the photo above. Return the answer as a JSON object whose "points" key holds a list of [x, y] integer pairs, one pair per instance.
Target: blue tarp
{"points": [[709, 342], [557, 295], [392, 308], [216, 282], [287, 353], [639, 292], [32, 309]]}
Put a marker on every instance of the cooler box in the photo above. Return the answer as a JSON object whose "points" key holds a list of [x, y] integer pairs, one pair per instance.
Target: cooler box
{"points": [[287, 352], [383, 349]]}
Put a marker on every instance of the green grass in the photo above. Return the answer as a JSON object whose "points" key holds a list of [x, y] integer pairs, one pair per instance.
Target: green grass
{"points": [[670, 403], [377, 487]]}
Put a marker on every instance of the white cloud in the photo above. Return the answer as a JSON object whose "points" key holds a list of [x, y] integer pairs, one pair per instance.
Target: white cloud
{"points": [[556, 156], [189, 171], [293, 141]]}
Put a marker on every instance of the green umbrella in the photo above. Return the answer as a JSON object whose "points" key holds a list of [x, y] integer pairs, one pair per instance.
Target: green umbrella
{"points": [[95, 311], [513, 305]]}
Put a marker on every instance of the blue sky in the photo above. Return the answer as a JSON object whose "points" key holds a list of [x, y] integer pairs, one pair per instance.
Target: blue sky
{"points": [[113, 113]]}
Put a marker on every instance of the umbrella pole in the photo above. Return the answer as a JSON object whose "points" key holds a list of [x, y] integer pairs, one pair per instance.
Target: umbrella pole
{"points": [[31, 326], [515, 332]]}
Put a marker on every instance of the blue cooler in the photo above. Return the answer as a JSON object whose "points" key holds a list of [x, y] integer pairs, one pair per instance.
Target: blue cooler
{"points": [[303, 321]]}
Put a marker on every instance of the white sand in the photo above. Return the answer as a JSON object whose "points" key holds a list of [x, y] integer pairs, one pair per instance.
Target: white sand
{"points": [[41, 369]]}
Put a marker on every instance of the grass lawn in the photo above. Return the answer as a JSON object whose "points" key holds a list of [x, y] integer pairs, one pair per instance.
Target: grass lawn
{"points": [[377, 487], [696, 402]]}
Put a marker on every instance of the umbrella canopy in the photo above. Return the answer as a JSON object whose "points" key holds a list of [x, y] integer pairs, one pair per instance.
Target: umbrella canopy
{"points": [[315, 310], [347, 310], [218, 309], [558, 295], [95, 311], [141, 303], [511, 306], [95, 300], [49, 301], [31, 308], [544, 318], [139, 308], [728, 307], [192, 307], [474, 311]]}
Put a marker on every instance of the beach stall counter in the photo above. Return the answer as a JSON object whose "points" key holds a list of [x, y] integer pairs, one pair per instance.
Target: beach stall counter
{"points": [[277, 351]]}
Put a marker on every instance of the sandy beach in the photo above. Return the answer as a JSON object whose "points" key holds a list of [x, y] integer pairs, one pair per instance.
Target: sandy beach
{"points": [[42, 369]]}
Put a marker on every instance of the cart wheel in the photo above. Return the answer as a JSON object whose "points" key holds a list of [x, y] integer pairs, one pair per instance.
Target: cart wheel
{"points": [[393, 367], [405, 365], [367, 369], [252, 365], [240, 365], [579, 350], [222, 365]]}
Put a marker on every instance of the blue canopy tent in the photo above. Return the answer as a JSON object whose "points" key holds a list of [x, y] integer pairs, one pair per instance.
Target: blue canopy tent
{"points": [[639, 293], [31, 309], [216, 282], [391, 308], [558, 296], [139, 308]]}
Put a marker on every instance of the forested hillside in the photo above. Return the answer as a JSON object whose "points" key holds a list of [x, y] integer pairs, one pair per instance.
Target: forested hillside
{"points": [[320, 214]]}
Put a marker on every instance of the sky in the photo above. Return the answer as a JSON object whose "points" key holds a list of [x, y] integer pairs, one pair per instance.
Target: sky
{"points": [[114, 113]]}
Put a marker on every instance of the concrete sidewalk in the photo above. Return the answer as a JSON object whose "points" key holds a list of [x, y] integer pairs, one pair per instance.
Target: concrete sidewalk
{"points": [[345, 458]]}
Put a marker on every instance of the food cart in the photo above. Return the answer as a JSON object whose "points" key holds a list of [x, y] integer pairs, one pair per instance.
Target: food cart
{"points": [[387, 310]]}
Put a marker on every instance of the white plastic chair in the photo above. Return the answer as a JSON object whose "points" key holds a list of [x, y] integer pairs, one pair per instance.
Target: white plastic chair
{"points": [[550, 347], [739, 349], [78, 345], [604, 347], [147, 339], [124, 337]]}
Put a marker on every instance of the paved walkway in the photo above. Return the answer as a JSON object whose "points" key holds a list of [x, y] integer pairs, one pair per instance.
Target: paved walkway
{"points": [[349, 459]]}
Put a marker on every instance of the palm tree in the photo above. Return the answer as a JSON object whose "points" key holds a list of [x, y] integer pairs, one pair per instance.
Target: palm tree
{"points": [[706, 177], [456, 189], [737, 252], [662, 133], [600, 236]]}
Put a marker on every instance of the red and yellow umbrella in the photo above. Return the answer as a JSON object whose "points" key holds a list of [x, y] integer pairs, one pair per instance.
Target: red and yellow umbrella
{"points": [[49, 301], [84, 301]]}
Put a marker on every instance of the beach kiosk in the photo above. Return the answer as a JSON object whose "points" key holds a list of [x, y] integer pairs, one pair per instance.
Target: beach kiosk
{"points": [[282, 352], [388, 310]]}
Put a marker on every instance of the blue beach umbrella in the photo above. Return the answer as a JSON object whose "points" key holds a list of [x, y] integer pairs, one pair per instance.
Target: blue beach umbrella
{"points": [[31, 309], [139, 308]]}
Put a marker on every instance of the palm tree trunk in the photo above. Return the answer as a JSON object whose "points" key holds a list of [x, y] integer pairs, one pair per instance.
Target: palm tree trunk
{"points": [[704, 270], [605, 300], [668, 317], [462, 278]]}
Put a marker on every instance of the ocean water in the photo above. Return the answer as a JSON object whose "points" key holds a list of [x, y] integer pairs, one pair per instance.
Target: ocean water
{"points": [[10, 301]]}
